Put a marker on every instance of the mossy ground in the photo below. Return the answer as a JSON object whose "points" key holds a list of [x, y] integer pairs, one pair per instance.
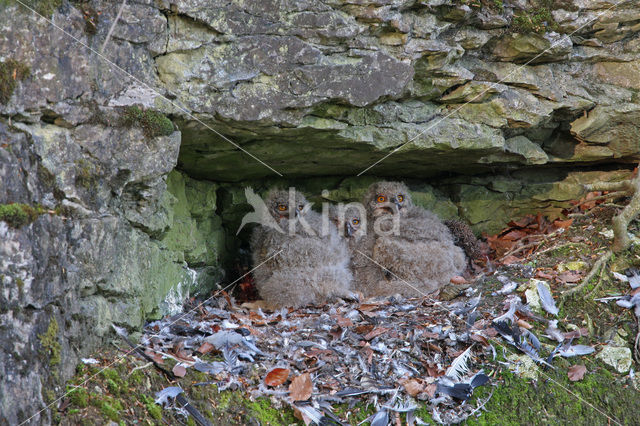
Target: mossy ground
{"points": [[11, 72], [124, 394], [537, 19], [17, 215], [43, 7], [153, 123]]}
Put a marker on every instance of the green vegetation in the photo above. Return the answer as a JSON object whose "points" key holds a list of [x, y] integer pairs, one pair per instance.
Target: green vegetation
{"points": [[153, 123], [538, 20], [17, 215], [154, 409], [79, 397], [50, 344], [107, 405], [11, 72]]}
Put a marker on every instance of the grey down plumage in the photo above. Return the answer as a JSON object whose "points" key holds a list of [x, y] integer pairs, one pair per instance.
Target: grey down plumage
{"points": [[418, 259], [312, 265]]}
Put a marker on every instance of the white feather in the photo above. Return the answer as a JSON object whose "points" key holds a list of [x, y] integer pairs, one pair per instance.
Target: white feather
{"points": [[459, 366]]}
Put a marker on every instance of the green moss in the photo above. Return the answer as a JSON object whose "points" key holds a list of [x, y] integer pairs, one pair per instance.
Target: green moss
{"points": [[538, 19], [110, 373], [113, 387], [50, 344], [17, 215], [108, 406], [153, 409], [264, 412], [136, 377], [357, 413], [79, 397], [86, 174], [20, 284], [10, 73], [153, 123], [515, 401]]}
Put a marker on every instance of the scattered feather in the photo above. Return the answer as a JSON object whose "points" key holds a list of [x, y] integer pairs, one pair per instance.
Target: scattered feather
{"points": [[553, 331], [507, 288], [163, 396], [460, 365], [568, 351], [546, 299]]}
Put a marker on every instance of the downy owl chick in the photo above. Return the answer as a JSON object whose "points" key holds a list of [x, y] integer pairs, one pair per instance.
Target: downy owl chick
{"points": [[312, 263], [352, 226], [415, 247]]}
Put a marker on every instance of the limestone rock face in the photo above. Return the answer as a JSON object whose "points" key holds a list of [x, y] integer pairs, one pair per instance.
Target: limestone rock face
{"points": [[296, 82], [488, 112]]}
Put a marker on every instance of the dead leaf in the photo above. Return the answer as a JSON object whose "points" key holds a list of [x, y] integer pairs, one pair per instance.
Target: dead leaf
{"points": [[277, 376], [576, 372], [205, 348], [301, 388], [509, 260], [480, 338], [413, 387], [544, 275], [375, 332], [569, 277], [343, 322], [431, 390], [179, 371], [522, 323], [562, 223], [514, 235]]}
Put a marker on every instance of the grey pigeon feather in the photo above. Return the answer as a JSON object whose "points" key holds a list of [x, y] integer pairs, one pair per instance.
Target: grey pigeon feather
{"points": [[546, 299]]}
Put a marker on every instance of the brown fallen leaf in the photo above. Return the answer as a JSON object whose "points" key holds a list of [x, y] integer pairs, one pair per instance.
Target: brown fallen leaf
{"points": [[563, 223], [569, 277], [576, 372], [413, 386], [301, 388], [205, 348], [479, 338], [179, 371], [522, 323], [375, 332], [431, 390], [545, 275], [277, 376], [343, 322]]}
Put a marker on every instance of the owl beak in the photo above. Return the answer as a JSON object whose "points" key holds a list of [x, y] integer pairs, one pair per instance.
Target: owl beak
{"points": [[349, 229], [397, 203]]}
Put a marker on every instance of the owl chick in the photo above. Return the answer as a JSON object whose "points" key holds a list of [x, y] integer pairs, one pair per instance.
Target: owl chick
{"points": [[352, 226], [312, 261], [414, 246]]}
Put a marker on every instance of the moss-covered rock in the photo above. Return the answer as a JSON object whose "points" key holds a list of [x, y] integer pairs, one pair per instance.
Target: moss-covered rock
{"points": [[17, 214], [153, 123], [11, 72]]}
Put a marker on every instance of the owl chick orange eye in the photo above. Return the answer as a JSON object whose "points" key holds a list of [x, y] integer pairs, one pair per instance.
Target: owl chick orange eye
{"points": [[355, 221], [381, 198], [300, 207], [282, 207], [400, 198]]}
